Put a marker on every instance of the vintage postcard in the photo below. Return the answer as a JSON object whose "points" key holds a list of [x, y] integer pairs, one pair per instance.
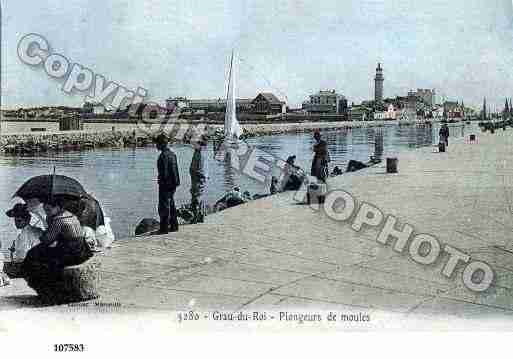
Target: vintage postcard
{"points": [[287, 166]]}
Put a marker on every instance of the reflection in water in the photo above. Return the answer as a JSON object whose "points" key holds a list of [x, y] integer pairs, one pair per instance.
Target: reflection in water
{"points": [[124, 181], [378, 144], [228, 171]]}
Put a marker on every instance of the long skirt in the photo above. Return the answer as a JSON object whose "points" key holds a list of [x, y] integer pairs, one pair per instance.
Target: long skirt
{"points": [[44, 261], [320, 169]]}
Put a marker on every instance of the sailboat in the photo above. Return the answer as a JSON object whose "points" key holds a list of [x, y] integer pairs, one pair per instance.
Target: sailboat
{"points": [[223, 151], [232, 129]]}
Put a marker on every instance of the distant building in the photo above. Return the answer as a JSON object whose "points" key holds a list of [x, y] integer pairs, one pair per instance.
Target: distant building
{"points": [[268, 103], [428, 96], [176, 102], [71, 123], [378, 84], [207, 105], [326, 102], [389, 114], [484, 111], [438, 112], [359, 113], [411, 102], [452, 109], [94, 108], [407, 114], [244, 105]]}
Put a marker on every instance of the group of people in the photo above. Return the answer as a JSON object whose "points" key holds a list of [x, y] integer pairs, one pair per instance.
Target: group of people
{"points": [[58, 239], [62, 239], [169, 179]]}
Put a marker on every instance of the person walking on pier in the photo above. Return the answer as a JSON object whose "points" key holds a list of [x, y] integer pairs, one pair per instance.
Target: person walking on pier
{"points": [[321, 158], [444, 134], [199, 176], [169, 180]]}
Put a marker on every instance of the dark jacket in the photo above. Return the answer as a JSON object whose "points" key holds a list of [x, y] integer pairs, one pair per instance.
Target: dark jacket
{"points": [[167, 166], [444, 132], [320, 160]]}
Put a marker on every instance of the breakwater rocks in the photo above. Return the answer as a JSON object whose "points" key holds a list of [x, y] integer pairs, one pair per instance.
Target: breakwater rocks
{"points": [[31, 143], [76, 141], [257, 130]]}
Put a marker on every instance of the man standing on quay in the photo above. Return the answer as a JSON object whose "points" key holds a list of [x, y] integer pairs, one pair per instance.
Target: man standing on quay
{"points": [[321, 158], [169, 180], [444, 134], [199, 177]]}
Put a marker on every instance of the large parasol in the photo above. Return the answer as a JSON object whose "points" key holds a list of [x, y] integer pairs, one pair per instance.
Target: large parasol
{"points": [[69, 192], [46, 186]]}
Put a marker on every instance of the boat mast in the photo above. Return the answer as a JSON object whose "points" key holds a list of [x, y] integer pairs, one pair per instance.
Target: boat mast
{"points": [[229, 79], [227, 111]]}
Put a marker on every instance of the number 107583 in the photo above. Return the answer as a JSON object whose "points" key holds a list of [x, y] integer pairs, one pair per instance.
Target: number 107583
{"points": [[69, 347]]}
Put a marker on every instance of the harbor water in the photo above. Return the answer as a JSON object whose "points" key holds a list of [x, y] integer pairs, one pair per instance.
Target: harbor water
{"points": [[125, 180]]}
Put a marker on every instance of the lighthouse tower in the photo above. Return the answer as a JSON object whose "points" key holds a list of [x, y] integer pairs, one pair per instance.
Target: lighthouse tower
{"points": [[378, 84]]}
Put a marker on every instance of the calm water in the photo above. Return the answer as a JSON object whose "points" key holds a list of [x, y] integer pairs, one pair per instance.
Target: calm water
{"points": [[124, 181]]}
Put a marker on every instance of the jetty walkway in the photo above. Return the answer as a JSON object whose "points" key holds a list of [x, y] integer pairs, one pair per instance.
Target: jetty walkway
{"points": [[275, 254]]}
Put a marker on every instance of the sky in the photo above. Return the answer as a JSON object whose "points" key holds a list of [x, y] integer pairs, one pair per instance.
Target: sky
{"points": [[292, 48]]}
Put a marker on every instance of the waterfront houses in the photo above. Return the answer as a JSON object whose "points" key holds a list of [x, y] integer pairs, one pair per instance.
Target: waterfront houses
{"points": [[360, 113], [94, 108], [263, 103], [268, 104], [389, 114], [453, 110], [42, 112], [327, 102], [428, 96]]}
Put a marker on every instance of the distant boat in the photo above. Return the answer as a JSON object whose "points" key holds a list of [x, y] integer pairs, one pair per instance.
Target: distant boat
{"points": [[232, 129]]}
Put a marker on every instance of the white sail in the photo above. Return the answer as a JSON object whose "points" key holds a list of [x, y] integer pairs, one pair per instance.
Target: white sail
{"points": [[232, 129]]}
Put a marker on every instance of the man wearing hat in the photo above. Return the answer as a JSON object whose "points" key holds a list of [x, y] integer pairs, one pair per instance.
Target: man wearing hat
{"points": [[199, 176], [29, 235], [169, 180], [321, 158]]}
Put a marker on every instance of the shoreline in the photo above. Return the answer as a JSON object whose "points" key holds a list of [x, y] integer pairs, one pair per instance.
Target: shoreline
{"points": [[134, 135]]}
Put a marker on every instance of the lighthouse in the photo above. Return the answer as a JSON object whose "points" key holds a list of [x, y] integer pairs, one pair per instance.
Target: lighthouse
{"points": [[378, 84]]}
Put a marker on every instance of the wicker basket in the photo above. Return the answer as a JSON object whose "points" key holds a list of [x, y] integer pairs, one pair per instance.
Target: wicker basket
{"points": [[13, 269]]}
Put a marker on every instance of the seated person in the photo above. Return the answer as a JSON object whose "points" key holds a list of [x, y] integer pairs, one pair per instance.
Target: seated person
{"points": [[354, 166], [234, 198], [293, 178], [246, 196], [374, 160], [336, 172], [231, 199], [62, 244], [29, 235]]}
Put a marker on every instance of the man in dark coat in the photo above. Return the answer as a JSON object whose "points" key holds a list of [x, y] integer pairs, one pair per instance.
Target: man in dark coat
{"points": [[444, 134], [321, 158], [169, 180]]}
